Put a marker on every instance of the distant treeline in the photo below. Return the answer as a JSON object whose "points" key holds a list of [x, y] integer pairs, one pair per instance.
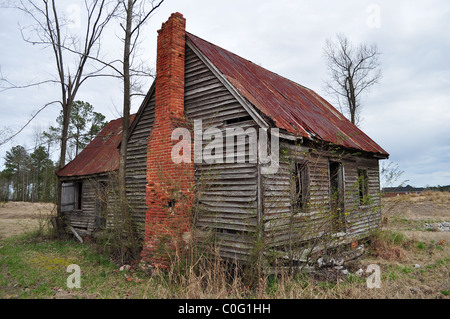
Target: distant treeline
{"points": [[411, 189], [439, 188], [28, 176], [31, 176]]}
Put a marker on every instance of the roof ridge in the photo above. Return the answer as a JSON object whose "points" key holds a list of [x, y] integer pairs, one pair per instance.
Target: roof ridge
{"points": [[281, 76]]}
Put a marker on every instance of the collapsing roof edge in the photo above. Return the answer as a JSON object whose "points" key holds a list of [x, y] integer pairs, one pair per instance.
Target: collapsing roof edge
{"points": [[100, 155]]}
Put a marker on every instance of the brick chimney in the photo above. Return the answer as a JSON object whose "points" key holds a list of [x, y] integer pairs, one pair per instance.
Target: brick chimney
{"points": [[169, 191]]}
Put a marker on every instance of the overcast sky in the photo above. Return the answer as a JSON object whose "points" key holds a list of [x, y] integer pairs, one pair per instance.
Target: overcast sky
{"points": [[407, 113]]}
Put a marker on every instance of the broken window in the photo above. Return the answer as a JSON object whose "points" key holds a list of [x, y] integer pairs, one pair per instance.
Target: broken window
{"points": [[363, 180], [337, 196], [71, 196], [78, 193], [301, 195]]}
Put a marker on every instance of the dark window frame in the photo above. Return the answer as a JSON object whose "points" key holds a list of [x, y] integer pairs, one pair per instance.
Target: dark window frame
{"points": [[337, 194], [302, 186], [363, 185], [78, 202]]}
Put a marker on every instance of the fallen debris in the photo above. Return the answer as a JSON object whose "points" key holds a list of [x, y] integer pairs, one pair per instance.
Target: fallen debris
{"points": [[442, 226]]}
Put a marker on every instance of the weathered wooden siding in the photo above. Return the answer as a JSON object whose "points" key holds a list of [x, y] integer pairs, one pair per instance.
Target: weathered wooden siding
{"points": [[362, 220], [227, 193], [137, 162], [89, 217], [285, 228]]}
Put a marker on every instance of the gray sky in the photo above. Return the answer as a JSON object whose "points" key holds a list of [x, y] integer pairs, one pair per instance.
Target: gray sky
{"points": [[407, 113]]}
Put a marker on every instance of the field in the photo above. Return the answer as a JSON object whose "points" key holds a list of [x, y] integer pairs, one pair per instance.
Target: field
{"points": [[414, 263], [21, 217]]}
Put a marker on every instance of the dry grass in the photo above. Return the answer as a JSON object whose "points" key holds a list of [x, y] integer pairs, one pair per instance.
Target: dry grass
{"points": [[20, 217], [398, 281], [414, 263], [402, 244]]}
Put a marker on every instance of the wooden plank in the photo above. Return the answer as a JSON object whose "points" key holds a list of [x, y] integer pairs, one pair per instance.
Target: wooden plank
{"points": [[76, 234]]}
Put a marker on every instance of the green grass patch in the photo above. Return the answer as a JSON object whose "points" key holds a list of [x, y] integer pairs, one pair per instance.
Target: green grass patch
{"points": [[404, 223], [389, 276], [354, 279], [438, 263], [421, 245], [407, 270], [39, 269]]}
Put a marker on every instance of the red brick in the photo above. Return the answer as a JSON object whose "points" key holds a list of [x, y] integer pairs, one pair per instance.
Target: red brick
{"points": [[164, 226]]}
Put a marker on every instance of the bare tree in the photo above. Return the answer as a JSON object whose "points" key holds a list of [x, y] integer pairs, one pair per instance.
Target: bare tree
{"points": [[50, 29], [5, 131], [134, 14], [353, 70]]}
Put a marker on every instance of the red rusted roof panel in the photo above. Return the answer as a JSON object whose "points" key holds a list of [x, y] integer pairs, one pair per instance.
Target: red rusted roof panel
{"points": [[101, 155], [291, 106]]}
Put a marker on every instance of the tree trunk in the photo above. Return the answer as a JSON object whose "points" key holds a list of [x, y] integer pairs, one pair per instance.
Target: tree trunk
{"points": [[126, 216], [62, 161], [126, 104]]}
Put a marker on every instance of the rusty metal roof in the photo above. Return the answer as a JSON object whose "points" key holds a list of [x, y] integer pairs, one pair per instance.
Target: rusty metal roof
{"points": [[101, 155], [291, 106]]}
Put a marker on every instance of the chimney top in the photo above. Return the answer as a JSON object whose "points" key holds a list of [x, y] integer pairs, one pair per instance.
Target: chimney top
{"points": [[173, 16]]}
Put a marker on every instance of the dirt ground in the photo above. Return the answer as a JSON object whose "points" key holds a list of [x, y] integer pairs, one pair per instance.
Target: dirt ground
{"points": [[410, 213], [20, 217]]}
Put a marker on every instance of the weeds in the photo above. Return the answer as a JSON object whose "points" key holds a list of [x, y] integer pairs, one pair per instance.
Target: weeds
{"points": [[421, 245], [389, 245], [34, 266], [29, 270]]}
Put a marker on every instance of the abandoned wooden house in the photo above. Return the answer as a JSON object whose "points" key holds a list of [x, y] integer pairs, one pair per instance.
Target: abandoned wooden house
{"points": [[326, 178], [328, 175], [87, 181]]}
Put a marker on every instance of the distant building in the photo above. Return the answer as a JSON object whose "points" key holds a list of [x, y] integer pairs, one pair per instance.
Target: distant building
{"points": [[401, 190]]}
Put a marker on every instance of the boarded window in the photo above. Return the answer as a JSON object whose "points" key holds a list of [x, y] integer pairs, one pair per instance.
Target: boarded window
{"points": [[363, 181], [71, 196], [301, 196]]}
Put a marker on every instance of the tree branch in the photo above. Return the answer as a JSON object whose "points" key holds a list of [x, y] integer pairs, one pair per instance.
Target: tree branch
{"points": [[6, 140]]}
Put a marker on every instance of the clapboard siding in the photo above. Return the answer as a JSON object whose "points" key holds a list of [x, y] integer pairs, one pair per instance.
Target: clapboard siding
{"points": [[282, 225], [362, 220], [226, 192], [88, 218], [227, 204], [285, 227], [137, 161]]}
